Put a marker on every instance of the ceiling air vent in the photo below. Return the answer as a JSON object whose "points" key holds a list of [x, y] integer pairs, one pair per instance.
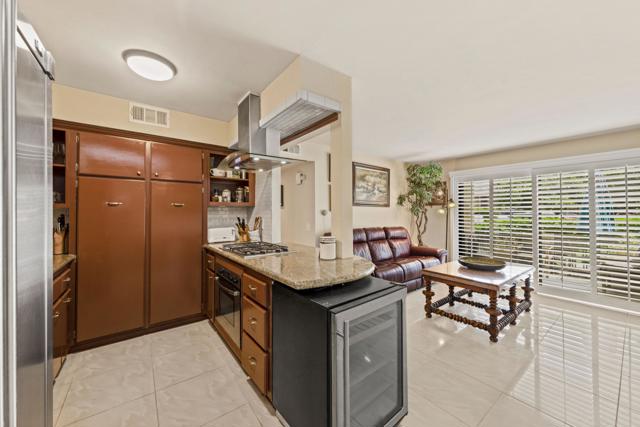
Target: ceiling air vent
{"points": [[148, 115]]}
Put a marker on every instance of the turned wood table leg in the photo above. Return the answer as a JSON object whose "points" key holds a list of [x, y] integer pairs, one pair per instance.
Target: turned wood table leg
{"points": [[428, 296], [451, 295], [527, 292], [513, 302], [493, 313]]}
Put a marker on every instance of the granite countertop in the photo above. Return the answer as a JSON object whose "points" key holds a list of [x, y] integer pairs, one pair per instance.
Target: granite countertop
{"points": [[61, 261], [302, 268]]}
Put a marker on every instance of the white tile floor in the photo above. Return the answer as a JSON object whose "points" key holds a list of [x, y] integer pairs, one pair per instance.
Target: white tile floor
{"points": [[563, 365]]}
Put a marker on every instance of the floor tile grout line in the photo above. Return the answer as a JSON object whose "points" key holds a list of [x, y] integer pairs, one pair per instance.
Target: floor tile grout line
{"points": [[55, 422], [106, 410], [223, 414], [155, 391], [542, 411], [627, 332], [190, 378], [490, 409], [443, 410]]}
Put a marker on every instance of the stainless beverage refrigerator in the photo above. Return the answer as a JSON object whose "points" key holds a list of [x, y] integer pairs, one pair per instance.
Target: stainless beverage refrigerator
{"points": [[26, 232], [339, 355]]}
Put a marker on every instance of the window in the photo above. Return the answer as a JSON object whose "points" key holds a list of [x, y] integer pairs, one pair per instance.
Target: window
{"points": [[474, 236], [578, 224], [494, 218], [564, 252], [617, 201]]}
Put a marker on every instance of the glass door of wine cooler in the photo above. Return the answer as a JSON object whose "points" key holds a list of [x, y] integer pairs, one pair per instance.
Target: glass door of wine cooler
{"points": [[370, 378]]}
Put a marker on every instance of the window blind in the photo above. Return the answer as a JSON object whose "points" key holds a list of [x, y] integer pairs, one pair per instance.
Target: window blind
{"points": [[474, 221], [564, 253], [511, 219], [617, 199], [495, 219]]}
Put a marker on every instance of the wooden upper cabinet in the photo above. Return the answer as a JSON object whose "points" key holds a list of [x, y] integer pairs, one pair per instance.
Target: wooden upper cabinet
{"points": [[176, 163], [106, 155]]}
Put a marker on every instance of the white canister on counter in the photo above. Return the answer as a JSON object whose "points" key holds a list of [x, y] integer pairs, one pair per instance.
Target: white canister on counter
{"points": [[327, 247]]}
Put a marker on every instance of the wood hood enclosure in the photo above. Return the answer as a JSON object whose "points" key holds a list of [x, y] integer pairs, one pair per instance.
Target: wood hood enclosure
{"points": [[140, 204]]}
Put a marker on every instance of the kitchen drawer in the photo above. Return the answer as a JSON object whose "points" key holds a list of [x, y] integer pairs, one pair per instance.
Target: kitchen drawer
{"points": [[255, 322], [176, 163], [255, 363], [255, 289], [107, 155], [210, 261], [61, 312], [61, 284]]}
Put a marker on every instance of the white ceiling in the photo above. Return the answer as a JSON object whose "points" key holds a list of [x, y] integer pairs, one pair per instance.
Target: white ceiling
{"points": [[432, 79]]}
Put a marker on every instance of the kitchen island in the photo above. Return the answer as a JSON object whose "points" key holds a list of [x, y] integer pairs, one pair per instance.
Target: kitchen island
{"points": [[286, 317], [301, 268]]}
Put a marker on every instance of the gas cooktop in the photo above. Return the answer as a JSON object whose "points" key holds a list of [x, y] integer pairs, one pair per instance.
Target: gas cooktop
{"points": [[255, 249]]}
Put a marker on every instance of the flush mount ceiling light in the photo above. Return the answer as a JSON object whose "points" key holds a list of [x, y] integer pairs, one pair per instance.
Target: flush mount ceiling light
{"points": [[149, 65]]}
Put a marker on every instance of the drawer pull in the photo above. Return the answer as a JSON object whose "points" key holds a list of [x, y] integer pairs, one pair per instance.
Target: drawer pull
{"points": [[177, 205], [138, 173], [253, 362], [67, 300], [253, 288], [208, 261], [253, 322], [56, 315], [156, 174], [114, 204], [67, 280]]}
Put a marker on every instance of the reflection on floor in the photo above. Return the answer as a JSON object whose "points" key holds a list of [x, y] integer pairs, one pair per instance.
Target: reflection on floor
{"points": [[563, 365]]}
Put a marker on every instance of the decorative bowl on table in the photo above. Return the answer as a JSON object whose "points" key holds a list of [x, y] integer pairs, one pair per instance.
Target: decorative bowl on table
{"points": [[482, 263]]}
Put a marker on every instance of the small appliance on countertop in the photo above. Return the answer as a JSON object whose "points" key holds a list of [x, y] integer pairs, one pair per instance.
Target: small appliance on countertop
{"points": [[221, 234]]}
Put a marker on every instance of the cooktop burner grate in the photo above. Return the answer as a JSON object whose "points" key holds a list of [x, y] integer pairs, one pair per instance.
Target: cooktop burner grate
{"points": [[255, 249]]}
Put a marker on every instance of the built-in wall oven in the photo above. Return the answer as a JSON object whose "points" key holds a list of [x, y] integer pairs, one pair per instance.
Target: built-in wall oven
{"points": [[339, 355], [227, 311]]}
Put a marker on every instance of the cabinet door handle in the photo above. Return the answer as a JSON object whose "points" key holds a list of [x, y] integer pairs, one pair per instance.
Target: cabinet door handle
{"points": [[138, 173], [253, 322], [67, 280], [114, 204], [56, 315], [253, 362], [156, 173], [177, 205], [67, 300]]}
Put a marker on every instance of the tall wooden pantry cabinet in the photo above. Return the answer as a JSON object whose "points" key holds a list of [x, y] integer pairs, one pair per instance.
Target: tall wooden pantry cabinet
{"points": [[140, 234]]}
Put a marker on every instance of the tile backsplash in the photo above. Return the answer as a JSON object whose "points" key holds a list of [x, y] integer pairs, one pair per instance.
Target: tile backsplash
{"points": [[226, 216]]}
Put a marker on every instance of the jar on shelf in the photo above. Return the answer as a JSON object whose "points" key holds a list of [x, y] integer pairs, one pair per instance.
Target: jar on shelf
{"points": [[226, 195], [239, 195]]}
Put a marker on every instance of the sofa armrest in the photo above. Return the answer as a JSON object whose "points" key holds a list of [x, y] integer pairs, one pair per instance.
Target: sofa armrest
{"points": [[439, 253]]}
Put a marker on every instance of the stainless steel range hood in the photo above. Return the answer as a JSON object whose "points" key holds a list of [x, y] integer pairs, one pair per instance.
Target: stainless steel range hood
{"points": [[257, 148]]}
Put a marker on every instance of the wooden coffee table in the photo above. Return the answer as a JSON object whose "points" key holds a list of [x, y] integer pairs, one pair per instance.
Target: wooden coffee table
{"points": [[455, 275]]}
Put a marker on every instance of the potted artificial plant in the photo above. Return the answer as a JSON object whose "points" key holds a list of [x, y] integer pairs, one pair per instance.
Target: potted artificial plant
{"points": [[424, 183]]}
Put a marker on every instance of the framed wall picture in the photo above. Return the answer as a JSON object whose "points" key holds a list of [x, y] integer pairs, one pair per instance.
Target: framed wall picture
{"points": [[371, 185]]}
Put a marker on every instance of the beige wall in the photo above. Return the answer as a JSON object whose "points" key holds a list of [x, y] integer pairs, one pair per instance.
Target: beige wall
{"points": [[298, 213], [369, 216], [93, 108], [612, 141]]}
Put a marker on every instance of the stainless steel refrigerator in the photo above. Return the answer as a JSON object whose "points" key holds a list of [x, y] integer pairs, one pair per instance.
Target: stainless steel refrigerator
{"points": [[27, 71]]}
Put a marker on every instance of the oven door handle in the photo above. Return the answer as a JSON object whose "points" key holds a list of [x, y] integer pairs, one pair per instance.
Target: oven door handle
{"points": [[227, 290]]}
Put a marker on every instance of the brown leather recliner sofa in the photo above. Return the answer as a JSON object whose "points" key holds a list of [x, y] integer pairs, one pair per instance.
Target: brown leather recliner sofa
{"points": [[396, 259]]}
